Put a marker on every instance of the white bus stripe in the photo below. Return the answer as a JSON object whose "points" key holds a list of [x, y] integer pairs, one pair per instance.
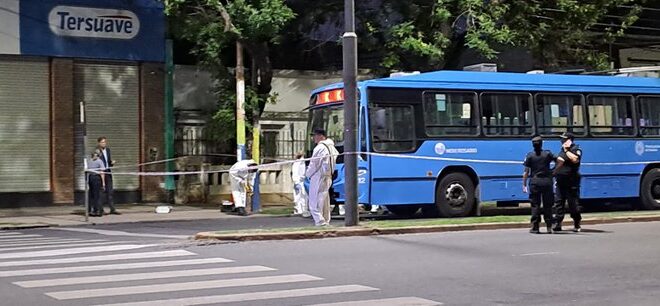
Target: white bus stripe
{"points": [[213, 284], [112, 257], [126, 266], [400, 301], [18, 236], [120, 247], [61, 241], [139, 276], [58, 246], [251, 296]]}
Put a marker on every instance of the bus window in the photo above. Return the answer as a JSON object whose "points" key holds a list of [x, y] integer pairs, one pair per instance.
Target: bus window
{"points": [[506, 114], [610, 115], [392, 128], [649, 115], [556, 114], [450, 113]]}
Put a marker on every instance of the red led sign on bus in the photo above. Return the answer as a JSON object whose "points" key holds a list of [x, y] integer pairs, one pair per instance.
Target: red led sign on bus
{"points": [[330, 96]]}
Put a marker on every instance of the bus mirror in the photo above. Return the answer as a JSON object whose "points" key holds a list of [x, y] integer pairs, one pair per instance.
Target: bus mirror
{"points": [[379, 119]]}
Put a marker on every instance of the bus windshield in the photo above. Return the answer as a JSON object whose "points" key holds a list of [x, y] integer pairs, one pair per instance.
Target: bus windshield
{"points": [[330, 119]]}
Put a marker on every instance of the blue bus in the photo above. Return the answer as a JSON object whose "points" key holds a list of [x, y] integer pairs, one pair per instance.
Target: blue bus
{"points": [[444, 141]]}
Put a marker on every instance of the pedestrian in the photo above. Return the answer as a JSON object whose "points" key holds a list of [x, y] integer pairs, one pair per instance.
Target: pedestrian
{"points": [[241, 178], [537, 169], [320, 170], [299, 191], [96, 179], [108, 163], [567, 174]]}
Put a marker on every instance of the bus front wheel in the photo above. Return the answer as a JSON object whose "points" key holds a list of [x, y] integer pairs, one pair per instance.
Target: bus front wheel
{"points": [[455, 195], [650, 190]]}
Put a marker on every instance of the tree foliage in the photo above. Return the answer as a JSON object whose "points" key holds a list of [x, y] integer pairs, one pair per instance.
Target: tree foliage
{"points": [[213, 27]]}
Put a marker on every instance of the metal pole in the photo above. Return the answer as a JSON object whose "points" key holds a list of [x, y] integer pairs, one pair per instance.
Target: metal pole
{"points": [[350, 113], [84, 146], [169, 117], [240, 100]]}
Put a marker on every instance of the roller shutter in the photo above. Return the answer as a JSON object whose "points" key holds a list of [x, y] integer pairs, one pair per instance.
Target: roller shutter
{"points": [[24, 126], [111, 95]]}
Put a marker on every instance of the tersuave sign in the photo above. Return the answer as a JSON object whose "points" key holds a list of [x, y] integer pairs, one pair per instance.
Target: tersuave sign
{"points": [[93, 22]]}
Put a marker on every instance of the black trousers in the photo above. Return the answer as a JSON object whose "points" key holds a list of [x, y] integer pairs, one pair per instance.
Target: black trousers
{"points": [[109, 191], [95, 186], [568, 190], [541, 197]]}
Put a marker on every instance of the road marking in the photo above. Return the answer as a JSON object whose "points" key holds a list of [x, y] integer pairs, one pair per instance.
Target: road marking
{"points": [[23, 239], [139, 276], [251, 296], [10, 233], [58, 246], [120, 247], [400, 301], [213, 284], [126, 266], [59, 241], [121, 233], [113, 257], [537, 254], [17, 236]]}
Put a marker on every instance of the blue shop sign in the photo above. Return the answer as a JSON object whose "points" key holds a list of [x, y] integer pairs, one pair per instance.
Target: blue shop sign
{"points": [[106, 29]]}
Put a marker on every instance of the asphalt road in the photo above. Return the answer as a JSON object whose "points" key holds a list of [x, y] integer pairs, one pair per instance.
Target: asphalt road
{"points": [[604, 265]]}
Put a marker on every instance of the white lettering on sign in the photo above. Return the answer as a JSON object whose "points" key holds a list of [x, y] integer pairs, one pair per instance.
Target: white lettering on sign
{"points": [[93, 22]]}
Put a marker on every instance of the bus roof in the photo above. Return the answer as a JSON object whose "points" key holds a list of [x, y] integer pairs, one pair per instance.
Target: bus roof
{"points": [[504, 81]]}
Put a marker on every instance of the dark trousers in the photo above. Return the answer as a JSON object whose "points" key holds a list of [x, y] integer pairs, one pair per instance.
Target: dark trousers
{"points": [[541, 197], [109, 191], [568, 190], [95, 186]]}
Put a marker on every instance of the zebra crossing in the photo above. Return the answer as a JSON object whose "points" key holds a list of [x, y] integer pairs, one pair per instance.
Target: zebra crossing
{"points": [[72, 271]]}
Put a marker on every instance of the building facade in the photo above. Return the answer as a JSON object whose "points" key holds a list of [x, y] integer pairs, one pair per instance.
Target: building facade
{"points": [[56, 55]]}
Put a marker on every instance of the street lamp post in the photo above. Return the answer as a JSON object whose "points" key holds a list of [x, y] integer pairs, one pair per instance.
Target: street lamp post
{"points": [[350, 113]]}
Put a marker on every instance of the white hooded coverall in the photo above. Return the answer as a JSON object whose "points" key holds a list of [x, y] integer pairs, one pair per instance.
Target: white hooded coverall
{"points": [[299, 192], [239, 177], [319, 173]]}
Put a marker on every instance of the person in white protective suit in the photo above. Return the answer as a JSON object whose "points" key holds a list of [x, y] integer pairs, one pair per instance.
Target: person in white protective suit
{"points": [[299, 191], [242, 180], [319, 172]]}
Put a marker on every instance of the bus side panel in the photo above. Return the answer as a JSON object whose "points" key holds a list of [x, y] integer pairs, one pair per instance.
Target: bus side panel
{"points": [[610, 187]]}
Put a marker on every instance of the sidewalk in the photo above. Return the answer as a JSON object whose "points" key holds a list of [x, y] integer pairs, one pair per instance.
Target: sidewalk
{"points": [[34, 217]]}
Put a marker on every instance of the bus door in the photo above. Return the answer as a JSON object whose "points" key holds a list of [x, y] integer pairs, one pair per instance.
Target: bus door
{"points": [[364, 172]]}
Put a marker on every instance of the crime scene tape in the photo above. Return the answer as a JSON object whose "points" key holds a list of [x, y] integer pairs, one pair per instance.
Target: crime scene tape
{"points": [[289, 161]]}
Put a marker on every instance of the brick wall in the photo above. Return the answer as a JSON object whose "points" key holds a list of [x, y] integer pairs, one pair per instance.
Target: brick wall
{"points": [[152, 116], [62, 130]]}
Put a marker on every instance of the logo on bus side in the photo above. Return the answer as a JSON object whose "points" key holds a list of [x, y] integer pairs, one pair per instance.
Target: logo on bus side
{"points": [[640, 148], [93, 22], [440, 148]]}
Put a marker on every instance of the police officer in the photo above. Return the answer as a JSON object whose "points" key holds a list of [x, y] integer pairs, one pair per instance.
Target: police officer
{"points": [[567, 175], [537, 166]]}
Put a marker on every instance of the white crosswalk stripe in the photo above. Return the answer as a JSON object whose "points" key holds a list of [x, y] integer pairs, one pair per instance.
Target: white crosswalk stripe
{"points": [[252, 296], [139, 276], [113, 257], [38, 247], [9, 237], [129, 276], [10, 233], [113, 267]]}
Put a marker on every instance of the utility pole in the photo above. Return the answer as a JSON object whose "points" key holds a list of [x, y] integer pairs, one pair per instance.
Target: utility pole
{"points": [[350, 113], [240, 101], [169, 118]]}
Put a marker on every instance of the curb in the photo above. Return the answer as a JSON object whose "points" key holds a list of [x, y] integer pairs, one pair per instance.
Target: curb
{"points": [[23, 226], [363, 231]]}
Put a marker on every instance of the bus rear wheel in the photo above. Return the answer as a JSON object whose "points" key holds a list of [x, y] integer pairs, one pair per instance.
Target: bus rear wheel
{"points": [[650, 190], [403, 210], [455, 195]]}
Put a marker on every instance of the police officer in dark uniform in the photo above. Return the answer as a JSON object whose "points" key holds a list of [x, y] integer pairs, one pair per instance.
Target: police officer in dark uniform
{"points": [[567, 174], [537, 166]]}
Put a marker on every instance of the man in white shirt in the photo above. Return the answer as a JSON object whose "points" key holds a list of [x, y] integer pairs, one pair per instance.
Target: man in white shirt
{"points": [[320, 170]]}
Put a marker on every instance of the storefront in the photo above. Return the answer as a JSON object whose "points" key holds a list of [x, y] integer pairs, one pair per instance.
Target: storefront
{"points": [[55, 54]]}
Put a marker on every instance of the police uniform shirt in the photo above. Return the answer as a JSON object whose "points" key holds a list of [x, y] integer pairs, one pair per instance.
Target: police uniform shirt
{"points": [[569, 168], [539, 167]]}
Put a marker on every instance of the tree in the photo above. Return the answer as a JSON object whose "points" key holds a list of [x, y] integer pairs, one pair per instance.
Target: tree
{"points": [[213, 26]]}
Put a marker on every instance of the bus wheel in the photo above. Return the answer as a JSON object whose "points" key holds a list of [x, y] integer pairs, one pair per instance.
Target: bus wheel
{"points": [[650, 191], [403, 210], [455, 195]]}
